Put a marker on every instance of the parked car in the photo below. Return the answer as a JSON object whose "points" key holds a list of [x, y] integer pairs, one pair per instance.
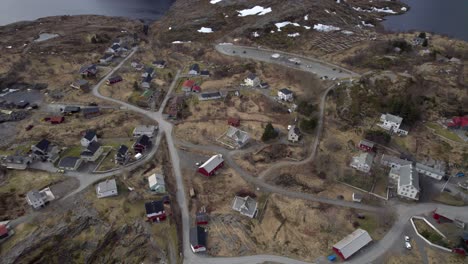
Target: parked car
{"points": [[407, 245], [407, 239]]}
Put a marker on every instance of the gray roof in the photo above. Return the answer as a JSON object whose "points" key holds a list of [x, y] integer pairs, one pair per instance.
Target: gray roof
{"points": [[198, 236], [366, 142], [393, 118], [408, 176], [438, 171], [364, 158], [386, 159], [252, 76], [91, 149], [106, 56], [238, 135], [35, 195], [295, 130], [144, 129], [109, 185], [353, 242], [245, 205], [68, 162]]}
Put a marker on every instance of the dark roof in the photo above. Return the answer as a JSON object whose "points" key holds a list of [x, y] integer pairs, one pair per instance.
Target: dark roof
{"points": [[86, 68], [68, 162], [143, 140], [43, 145], [148, 79], [197, 236], [195, 67], [252, 76], [69, 108], [297, 131], [90, 134], [122, 150], [286, 91], [91, 149], [115, 46], [81, 82], [202, 217], [210, 95], [149, 70], [465, 235], [22, 104], [205, 72], [264, 84], [154, 207], [90, 110], [159, 62], [115, 78]]}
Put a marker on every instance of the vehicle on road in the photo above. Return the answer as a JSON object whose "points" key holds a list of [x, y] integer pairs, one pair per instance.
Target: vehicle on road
{"points": [[407, 245], [275, 56], [296, 61], [407, 239]]}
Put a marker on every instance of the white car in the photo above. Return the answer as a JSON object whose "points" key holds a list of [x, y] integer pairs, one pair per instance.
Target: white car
{"points": [[407, 245], [407, 239]]}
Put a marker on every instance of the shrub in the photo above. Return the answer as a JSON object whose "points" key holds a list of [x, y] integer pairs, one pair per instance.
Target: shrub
{"points": [[380, 137], [305, 108], [308, 125], [269, 133]]}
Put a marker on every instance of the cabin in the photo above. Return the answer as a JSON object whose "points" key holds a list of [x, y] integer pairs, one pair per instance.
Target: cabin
{"points": [[107, 58], [198, 239], [155, 211], [366, 145], [209, 96], [148, 72], [294, 134], [252, 80], [122, 155], [69, 110], [91, 112], [88, 137], [201, 218], [213, 164], [285, 95], [352, 243], [149, 131], [142, 144], [88, 70], [114, 79], [156, 183], [233, 121], [245, 206], [188, 85], [107, 188], [17, 162], [92, 152], [363, 162], [392, 123], [81, 84]]}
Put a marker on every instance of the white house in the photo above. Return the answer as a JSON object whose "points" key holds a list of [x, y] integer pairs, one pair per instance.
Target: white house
{"points": [[252, 80], [245, 205], [149, 131], [363, 162], [89, 137], [285, 95], [407, 180], [294, 134], [238, 137], [36, 199], [392, 123], [156, 183], [106, 189], [194, 69]]}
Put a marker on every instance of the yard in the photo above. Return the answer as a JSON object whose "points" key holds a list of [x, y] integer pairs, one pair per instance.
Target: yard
{"points": [[20, 182], [447, 198], [429, 233], [439, 130]]}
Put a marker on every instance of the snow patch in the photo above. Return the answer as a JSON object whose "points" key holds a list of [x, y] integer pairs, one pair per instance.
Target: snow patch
{"points": [[366, 24], [255, 34], [285, 23], [347, 32], [225, 43], [307, 27], [375, 9], [256, 10], [180, 42], [404, 9], [306, 17], [215, 1], [294, 35], [325, 28], [205, 30]]}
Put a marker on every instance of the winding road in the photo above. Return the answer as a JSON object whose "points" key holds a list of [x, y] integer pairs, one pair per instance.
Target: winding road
{"points": [[368, 255]]}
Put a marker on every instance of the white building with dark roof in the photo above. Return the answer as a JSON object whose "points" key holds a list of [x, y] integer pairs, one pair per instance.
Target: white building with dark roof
{"points": [[285, 94], [392, 123], [252, 80], [352, 243]]}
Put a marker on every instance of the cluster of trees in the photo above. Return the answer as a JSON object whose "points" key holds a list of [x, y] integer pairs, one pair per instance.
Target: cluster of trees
{"points": [[305, 108], [378, 136], [405, 108], [269, 133]]}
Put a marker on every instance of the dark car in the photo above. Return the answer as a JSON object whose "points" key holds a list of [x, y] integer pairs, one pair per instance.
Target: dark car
{"points": [[93, 104], [29, 127]]}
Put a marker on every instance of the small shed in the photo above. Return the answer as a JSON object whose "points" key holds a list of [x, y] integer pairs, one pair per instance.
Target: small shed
{"points": [[352, 243], [234, 121]]}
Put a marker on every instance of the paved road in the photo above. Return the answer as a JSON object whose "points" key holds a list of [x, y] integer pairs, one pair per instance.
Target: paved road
{"points": [[312, 65]]}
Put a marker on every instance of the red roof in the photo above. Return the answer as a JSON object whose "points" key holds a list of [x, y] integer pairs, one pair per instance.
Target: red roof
{"points": [[188, 83], [196, 88], [56, 119], [3, 230], [459, 121]]}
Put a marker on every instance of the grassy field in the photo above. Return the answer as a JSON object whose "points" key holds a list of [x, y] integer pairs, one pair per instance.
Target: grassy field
{"points": [[21, 232], [21, 182], [448, 199], [74, 151], [444, 132], [429, 233]]}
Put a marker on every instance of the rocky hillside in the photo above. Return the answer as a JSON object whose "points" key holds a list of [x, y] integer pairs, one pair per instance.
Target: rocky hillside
{"points": [[320, 26]]}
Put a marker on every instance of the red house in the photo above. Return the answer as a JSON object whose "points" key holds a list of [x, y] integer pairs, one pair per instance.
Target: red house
{"points": [[198, 239], [3, 231], [196, 89], [441, 215], [212, 165], [366, 145], [235, 122], [202, 218], [188, 85], [155, 211], [459, 122], [114, 79], [142, 144], [352, 243], [56, 120]]}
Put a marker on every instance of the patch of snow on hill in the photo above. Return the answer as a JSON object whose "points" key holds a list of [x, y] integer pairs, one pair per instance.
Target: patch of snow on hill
{"points": [[325, 28], [285, 23], [375, 9], [205, 30], [293, 35], [256, 10], [306, 17], [215, 1]]}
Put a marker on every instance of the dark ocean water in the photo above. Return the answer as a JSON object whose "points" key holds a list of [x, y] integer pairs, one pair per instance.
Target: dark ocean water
{"points": [[19, 10], [445, 17]]}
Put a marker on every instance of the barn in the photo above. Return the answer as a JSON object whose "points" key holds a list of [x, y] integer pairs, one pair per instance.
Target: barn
{"points": [[212, 165], [352, 243]]}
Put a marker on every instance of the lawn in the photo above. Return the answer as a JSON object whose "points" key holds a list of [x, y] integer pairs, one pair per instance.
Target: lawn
{"points": [[74, 151], [21, 182], [429, 233], [359, 180], [449, 199], [108, 162], [444, 132]]}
